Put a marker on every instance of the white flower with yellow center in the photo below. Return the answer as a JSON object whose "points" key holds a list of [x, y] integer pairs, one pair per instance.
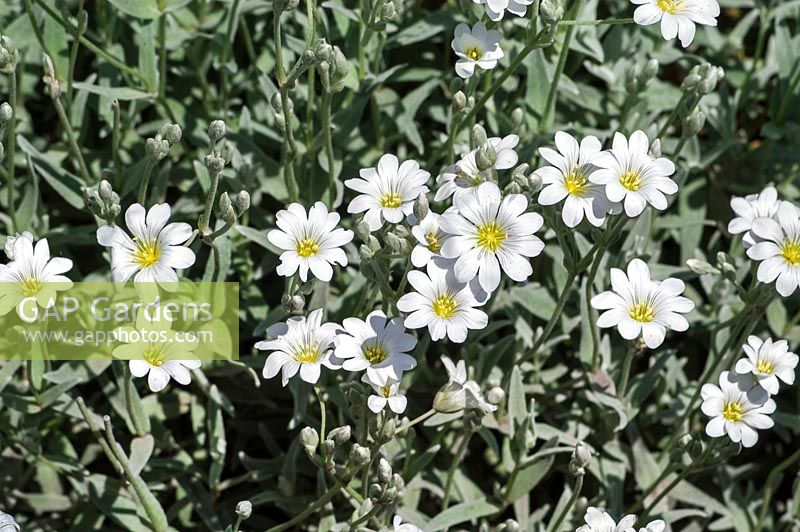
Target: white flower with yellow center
{"points": [[599, 521], [750, 208], [430, 239], [778, 248], [154, 252], [161, 354], [378, 345], [489, 232], [677, 17], [386, 394], [387, 192], [495, 9], [632, 176], [301, 345], [464, 176], [768, 361], [567, 180], [32, 274], [638, 306], [736, 408], [310, 242], [476, 47], [442, 304]]}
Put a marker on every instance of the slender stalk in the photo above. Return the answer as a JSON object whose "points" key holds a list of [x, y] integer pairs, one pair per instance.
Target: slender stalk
{"points": [[327, 496], [414, 421], [73, 57], [574, 497], [549, 107], [205, 217], [653, 485], [673, 115], [462, 451], [115, 140], [772, 481], [663, 493], [148, 170], [327, 101], [626, 370], [608, 21], [322, 432], [548, 329], [162, 57], [88, 178], [280, 70], [129, 402], [11, 150]]}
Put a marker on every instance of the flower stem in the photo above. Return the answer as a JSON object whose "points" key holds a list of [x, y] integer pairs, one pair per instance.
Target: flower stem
{"points": [[574, 497], [608, 21], [73, 143], [205, 218], [129, 402], [673, 115], [626, 370], [322, 412], [653, 485], [162, 57], [327, 101], [11, 150], [148, 170], [549, 107], [414, 421], [327, 496], [462, 450]]}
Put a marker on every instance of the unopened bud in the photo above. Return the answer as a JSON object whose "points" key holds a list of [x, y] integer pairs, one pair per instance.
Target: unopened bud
{"points": [[655, 148], [478, 135], [650, 70], [104, 190], [214, 163], [340, 435], [229, 216], [309, 438], [459, 101], [156, 148], [224, 202], [244, 509], [172, 133], [496, 395], [421, 207], [701, 267], [387, 12], [517, 115], [217, 128], [393, 242], [535, 183], [694, 123], [359, 455], [582, 455], [551, 11], [227, 152], [292, 304], [691, 81], [322, 51], [384, 471], [486, 157], [328, 446], [375, 491], [509, 525], [242, 201], [8, 55], [6, 113]]}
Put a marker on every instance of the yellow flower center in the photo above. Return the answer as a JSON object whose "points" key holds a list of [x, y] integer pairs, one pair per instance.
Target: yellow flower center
{"points": [[31, 286], [765, 366], [733, 411], [631, 180], [791, 252], [375, 353], [147, 253], [386, 390], [307, 354], [444, 306], [391, 200], [473, 53], [642, 312], [576, 182], [433, 242], [491, 236], [307, 247], [671, 6], [154, 354]]}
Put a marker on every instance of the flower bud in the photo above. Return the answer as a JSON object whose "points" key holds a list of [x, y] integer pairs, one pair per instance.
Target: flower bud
{"points": [[229, 216], [224, 202], [421, 207], [156, 148], [6, 113], [340, 435], [8, 55], [214, 163], [375, 491], [712, 77], [650, 70], [694, 123], [517, 116], [217, 128], [393, 242], [496, 395], [365, 253], [387, 12], [362, 231], [535, 183], [390, 495], [359, 455], [50, 79], [632, 74], [384, 471], [691, 81], [172, 133], [397, 482], [582, 455], [701, 267], [551, 11], [322, 51], [293, 304], [328, 446], [309, 438], [486, 157], [450, 399], [244, 509], [227, 152], [478, 135], [655, 148], [459, 101], [104, 190], [388, 430], [242, 201]]}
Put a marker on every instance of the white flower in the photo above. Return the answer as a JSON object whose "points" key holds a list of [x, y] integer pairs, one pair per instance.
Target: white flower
{"points": [[677, 17], [399, 526], [386, 394], [495, 9], [309, 242], [378, 345], [11, 240], [32, 274], [631, 175], [638, 306], [441, 303], [768, 361], [654, 526], [778, 247], [599, 521], [750, 208], [465, 176], [489, 232], [459, 393], [8, 524], [165, 357], [154, 252], [387, 193], [736, 408], [430, 239], [568, 179], [300, 344], [475, 47]]}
